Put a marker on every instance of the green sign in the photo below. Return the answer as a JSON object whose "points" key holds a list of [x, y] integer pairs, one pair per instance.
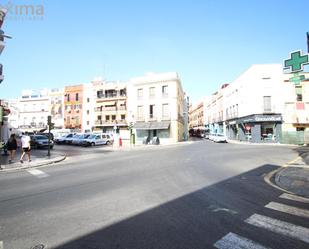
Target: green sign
{"points": [[296, 79], [296, 61]]}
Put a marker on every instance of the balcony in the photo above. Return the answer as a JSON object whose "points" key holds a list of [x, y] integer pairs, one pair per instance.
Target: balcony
{"points": [[118, 122], [111, 96], [110, 109]]}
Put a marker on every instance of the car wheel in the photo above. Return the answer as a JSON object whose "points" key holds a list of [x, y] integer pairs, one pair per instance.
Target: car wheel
{"points": [[92, 144], [108, 142], [51, 147]]}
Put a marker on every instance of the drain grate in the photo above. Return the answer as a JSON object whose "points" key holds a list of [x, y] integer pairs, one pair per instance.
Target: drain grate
{"points": [[40, 246]]}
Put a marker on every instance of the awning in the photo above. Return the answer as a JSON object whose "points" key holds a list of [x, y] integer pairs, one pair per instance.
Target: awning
{"points": [[152, 125]]}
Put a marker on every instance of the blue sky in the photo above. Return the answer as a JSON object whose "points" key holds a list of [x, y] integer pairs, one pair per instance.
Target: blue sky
{"points": [[208, 42]]}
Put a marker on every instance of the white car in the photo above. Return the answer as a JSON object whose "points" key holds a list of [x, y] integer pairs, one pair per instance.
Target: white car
{"points": [[97, 139], [79, 140], [63, 139], [219, 138]]}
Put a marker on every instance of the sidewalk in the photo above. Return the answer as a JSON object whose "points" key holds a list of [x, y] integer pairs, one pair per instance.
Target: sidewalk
{"points": [[294, 177], [38, 158]]}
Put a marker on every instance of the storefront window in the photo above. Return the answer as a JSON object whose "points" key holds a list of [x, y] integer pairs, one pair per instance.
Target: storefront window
{"points": [[267, 132]]}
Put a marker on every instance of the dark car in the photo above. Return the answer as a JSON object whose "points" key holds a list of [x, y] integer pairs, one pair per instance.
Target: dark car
{"points": [[40, 141]]}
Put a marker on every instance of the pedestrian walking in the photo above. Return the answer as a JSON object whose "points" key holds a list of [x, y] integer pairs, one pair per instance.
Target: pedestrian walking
{"points": [[12, 147], [26, 148]]}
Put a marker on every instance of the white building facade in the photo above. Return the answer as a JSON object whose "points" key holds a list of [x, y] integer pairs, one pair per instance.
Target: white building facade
{"points": [[34, 109]]}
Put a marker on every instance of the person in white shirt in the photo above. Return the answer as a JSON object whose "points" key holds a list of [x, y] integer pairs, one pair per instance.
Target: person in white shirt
{"points": [[26, 147]]}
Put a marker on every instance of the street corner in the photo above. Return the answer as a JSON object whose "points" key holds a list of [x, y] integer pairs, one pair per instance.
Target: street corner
{"points": [[294, 180], [35, 162]]}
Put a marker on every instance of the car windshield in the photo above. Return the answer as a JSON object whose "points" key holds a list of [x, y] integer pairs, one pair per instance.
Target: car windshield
{"points": [[92, 137]]}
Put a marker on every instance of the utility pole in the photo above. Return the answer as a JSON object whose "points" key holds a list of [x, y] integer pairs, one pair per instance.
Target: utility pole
{"points": [[50, 127]]}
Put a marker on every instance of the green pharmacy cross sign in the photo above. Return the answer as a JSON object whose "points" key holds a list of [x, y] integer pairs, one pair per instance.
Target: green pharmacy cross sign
{"points": [[296, 79], [296, 61]]}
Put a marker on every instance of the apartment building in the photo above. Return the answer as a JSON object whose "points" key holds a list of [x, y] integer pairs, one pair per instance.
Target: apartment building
{"points": [[111, 107], [88, 105], [33, 109], [56, 107], [155, 105], [254, 104], [73, 107]]}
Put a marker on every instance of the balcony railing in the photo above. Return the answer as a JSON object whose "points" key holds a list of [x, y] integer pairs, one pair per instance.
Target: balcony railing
{"points": [[111, 122], [111, 96], [108, 109]]}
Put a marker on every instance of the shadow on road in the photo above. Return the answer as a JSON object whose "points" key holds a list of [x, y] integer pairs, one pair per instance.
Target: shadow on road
{"points": [[196, 220]]}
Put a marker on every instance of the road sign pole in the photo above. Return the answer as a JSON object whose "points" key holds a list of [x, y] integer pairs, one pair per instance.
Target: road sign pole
{"points": [[49, 125]]}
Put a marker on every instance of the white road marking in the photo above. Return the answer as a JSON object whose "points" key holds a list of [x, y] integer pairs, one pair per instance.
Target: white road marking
{"points": [[1, 244], [288, 209], [37, 173], [280, 227], [294, 198], [234, 241]]}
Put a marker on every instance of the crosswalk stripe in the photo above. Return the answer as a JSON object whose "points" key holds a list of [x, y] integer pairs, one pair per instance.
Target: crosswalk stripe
{"points": [[37, 173], [280, 227], [294, 198], [234, 241], [288, 209]]}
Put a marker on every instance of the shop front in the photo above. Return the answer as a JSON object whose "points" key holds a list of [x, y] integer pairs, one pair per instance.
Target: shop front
{"points": [[258, 128]]}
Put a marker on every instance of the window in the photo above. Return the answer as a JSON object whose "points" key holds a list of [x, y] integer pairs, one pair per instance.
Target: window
{"points": [[152, 92], [113, 117], [107, 117], [267, 103], [68, 97], [299, 93], [76, 97], [164, 90], [140, 93], [299, 97], [99, 117], [123, 117], [140, 112], [87, 112], [165, 111], [88, 100], [87, 122], [151, 111]]}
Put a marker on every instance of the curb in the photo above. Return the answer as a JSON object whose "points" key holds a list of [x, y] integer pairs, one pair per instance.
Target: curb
{"points": [[261, 144], [269, 176], [37, 165]]}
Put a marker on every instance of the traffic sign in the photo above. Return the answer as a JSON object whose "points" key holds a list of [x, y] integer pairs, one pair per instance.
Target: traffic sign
{"points": [[248, 127], [296, 61]]}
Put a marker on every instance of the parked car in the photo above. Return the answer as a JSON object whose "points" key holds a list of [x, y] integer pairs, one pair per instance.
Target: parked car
{"points": [[63, 139], [40, 141], [80, 139], [220, 138], [98, 139]]}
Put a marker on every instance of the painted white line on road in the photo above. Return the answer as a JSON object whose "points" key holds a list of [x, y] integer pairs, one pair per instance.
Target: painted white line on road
{"points": [[280, 227], [288, 209], [294, 198], [234, 241], [1, 244], [37, 173]]}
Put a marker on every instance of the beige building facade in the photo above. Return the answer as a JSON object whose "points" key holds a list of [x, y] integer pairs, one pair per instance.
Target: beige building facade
{"points": [[155, 107]]}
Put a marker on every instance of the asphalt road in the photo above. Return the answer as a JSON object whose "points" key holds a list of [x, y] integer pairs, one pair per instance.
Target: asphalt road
{"points": [[191, 196]]}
